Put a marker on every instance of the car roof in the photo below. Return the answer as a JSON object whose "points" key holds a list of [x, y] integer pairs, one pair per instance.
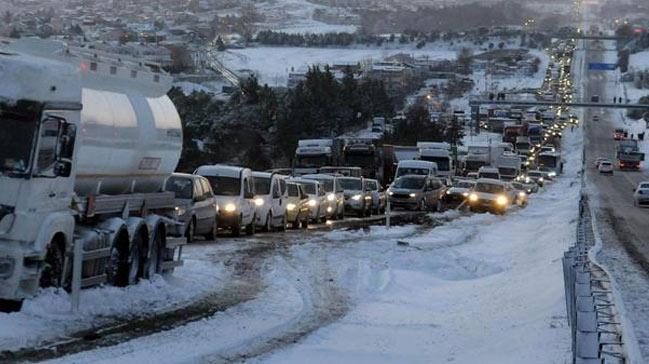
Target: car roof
{"points": [[491, 181], [262, 174], [220, 170], [488, 169], [354, 178], [319, 176], [302, 180]]}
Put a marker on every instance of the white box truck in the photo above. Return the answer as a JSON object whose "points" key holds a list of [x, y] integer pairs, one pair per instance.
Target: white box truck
{"points": [[87, 143]]}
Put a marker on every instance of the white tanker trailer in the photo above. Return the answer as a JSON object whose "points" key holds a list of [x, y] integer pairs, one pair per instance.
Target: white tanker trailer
{"points": [[87, 141]]}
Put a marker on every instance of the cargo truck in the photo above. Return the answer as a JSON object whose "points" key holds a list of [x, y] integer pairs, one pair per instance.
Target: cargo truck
{"points": [[87, 143], [628, 154]]}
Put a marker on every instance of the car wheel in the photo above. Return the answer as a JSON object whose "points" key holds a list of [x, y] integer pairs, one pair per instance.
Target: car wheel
{"points": [[250, 229], [438, 206], [191, 230], [211, 235], [284, 223], [305, 223], [267, 225], [422, 205]]}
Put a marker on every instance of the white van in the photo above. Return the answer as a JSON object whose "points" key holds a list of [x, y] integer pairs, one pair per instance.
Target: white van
{"points": [[235, 193], [416, 167], [270, 203], [335, 193]]}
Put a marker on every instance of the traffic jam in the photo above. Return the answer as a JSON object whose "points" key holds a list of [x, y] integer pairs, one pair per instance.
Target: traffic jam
{"points": [[335, 179]]}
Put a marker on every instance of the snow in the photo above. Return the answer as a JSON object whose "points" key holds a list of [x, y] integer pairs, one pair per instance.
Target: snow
{"points": [[296, 16], [273, 64], [481, 288], [48, 316], [639, 61], [191, 87]]}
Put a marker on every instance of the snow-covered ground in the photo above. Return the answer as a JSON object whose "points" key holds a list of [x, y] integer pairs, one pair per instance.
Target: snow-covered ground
{"points": [[481, 288], [48, 316], [273, 64], [296, 16]]}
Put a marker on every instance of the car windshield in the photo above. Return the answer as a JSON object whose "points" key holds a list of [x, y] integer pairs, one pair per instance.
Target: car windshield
{"points": [[371, 185], [309, 188], [352, 184], [489, 187], [463, 184], [410, 183], [326, 183], [489, 175], [182, 187], [225, 186], [644, 186], [262, 185], [293, 190], [18, 124], [535, 174], [404, 171]]}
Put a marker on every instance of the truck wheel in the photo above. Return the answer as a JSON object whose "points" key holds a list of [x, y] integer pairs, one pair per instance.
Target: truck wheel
{"points": [[135, 260], [211, 235], [8, 306], [153, 263], [52, 274], [191, 230]]}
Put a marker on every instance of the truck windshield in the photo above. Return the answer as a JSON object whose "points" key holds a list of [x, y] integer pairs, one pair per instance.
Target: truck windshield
{"points": [[311, 161], [415, 171], [18, 124], [443, 163], [181, 187], [359, 160], [262, 185], [351, 184], [489, 188], [225, 186]]}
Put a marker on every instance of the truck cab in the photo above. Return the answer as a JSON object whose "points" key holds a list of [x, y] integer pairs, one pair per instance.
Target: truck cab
{"points": [[235, 193], [312, 154], [440, 154]]}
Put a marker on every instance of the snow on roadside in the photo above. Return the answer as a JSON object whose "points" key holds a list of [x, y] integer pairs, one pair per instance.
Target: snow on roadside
{"points": [[485, 289], [48, 317]]}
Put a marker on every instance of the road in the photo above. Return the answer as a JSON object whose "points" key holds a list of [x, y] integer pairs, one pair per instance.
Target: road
{"points": [[623, 228]]}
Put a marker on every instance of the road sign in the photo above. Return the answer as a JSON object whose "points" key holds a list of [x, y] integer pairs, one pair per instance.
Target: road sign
{"points": [[602, 66]]}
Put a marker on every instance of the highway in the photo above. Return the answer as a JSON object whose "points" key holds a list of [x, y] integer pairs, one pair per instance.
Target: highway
{"points": [[624, 229]]}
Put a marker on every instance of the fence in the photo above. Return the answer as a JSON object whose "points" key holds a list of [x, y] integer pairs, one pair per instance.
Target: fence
{"points": [[593, 318]]}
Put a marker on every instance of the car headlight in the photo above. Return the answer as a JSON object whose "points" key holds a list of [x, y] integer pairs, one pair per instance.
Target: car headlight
{"points": [[501, 200], [552, 174], [448, 192], [290, 207], [330, 209], [465, 194], [527, 180], [368, 197], [230, 207], [473, 197], [331, 197], [522, 194], [259, 201], [180, 210], [413, 195], [356, 197], [541, 179], [390, 193], [313, 203]]}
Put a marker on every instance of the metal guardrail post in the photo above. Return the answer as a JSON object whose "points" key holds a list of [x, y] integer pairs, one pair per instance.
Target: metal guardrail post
{"points": [[388, 213]]}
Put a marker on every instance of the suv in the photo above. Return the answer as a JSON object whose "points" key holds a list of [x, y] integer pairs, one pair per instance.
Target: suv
{"points": [[196, 208], [417, 193]]}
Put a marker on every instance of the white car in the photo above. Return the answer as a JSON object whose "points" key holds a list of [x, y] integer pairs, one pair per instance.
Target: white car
{"points": [[605, 166], [317, 199], [641, 195], [334, 191], [270, 204]]}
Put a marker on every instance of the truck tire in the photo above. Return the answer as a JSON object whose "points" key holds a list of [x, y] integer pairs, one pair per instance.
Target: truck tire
{"points": [[211, 235], [135, 266], [52, 274], [157, 251]]}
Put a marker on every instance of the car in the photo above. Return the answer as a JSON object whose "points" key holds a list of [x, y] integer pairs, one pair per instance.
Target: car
{"points": [[269, 201], [378, 195], [599, 160], [297, 205], [458, 192], [605, 166], [520, 194], [641, 194], [317, 199], [526, 185], [538, 177], [235, 193], [417, 192], [196, 207], [334, 191], [358, 199], [492, 195], [472, 175]]}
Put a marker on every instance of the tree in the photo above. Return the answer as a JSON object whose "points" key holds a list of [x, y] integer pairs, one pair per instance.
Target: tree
{"points": [[638, 113], [465, 60]]}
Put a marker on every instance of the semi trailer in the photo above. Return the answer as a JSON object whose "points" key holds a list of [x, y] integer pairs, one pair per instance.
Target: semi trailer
{"points": [[88, 140]]}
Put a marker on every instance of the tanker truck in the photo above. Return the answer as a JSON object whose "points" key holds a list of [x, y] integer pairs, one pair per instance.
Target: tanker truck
{"points": [[87, 143]]}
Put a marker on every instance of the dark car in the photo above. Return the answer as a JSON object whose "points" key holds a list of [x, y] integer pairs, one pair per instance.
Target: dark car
{"points": [[196, 208]]}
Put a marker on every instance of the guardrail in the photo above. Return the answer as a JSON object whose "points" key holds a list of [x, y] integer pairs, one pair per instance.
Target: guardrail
{"points": [[590, 304]]}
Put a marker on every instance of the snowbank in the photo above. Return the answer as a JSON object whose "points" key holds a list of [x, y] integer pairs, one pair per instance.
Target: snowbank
{"points": [[48, 316]]}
